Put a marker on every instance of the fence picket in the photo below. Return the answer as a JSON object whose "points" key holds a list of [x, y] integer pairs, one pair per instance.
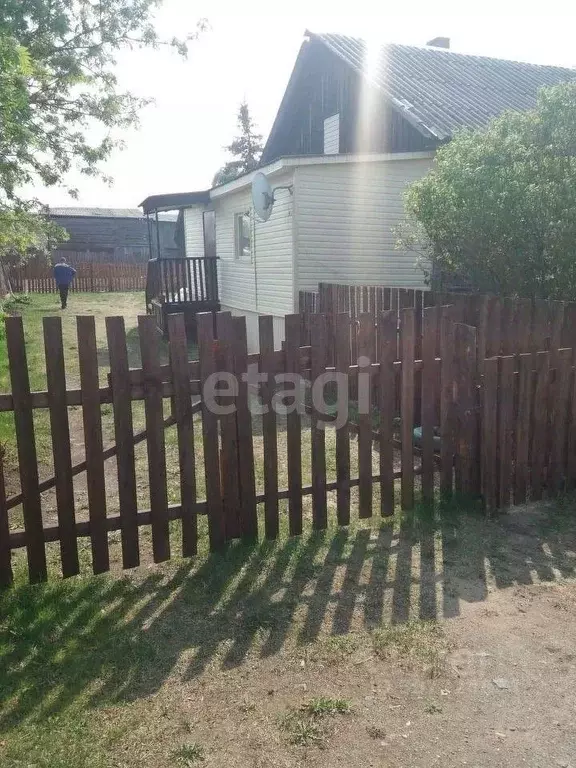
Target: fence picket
{"points": [[229, 474], [293, 427], [185, 428], [559, 419], [214, 508], [524, 321], [343, 433], [92, 422], [156, 447], [365, 350], [245, 444], [490, 473], [447, 446], [407, 407], [571, 471], [541, 326], [60, 431], [269, 430], [540, 428], [26, 445], [509, 326], [505, 429], [353, 325], [466, 475], [524, 413], [387, 337], [124, 430], [494, 334], [429, 396], [318, 437]]}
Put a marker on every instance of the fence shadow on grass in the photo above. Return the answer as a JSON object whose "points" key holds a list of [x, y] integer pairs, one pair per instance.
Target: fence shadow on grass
{"points": [[105, 640]]}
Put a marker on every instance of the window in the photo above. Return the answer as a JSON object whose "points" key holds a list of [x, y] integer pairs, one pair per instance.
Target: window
{"points": [[243, 236]]}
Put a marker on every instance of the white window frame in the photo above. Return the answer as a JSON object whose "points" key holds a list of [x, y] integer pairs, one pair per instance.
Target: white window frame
{"points": [[243, 251]]}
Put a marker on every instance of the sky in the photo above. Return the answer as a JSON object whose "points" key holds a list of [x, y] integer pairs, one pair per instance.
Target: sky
{"points": [[248, 52]]}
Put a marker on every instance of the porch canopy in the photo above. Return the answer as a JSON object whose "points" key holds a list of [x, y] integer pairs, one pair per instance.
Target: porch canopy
{"points": [[182, 284]]}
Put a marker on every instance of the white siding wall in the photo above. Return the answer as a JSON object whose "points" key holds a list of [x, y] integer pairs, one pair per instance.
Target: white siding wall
{"points": [[194, 231], [332, 135], [236, 278], [345, 220], [252, 328], [274, 254], [264, 285]]}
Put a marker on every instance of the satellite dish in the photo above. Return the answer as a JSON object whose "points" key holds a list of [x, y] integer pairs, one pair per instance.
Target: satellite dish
{"points": [[262, 196]]}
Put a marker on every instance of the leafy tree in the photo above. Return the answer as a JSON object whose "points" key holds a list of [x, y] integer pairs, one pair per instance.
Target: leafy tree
{"points": [[246, 147], [498, 208], [60, 104]]}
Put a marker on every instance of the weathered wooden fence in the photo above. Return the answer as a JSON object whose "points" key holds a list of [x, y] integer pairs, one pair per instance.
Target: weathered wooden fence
{"points": [[433, 424], [504, 325], [90, 277]]}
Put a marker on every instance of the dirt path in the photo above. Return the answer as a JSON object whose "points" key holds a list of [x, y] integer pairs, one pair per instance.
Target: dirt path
{"points": [[507, 698]]}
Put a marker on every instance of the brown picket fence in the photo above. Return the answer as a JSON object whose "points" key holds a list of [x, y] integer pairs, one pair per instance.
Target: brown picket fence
{"points": [[90, 277], [433, 425]]}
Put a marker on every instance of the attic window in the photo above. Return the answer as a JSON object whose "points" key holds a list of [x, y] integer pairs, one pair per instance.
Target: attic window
{"points": [[332, 135]]}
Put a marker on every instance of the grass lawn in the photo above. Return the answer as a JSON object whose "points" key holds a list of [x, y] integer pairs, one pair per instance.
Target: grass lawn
{"points": [[130, 305], [326, 649]]}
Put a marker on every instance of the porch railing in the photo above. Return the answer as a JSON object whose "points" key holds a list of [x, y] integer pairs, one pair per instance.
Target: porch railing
{"points": [[182, 281]]}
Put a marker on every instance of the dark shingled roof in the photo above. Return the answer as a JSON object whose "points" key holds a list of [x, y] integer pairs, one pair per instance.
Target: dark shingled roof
{"points": [[439, 91]]}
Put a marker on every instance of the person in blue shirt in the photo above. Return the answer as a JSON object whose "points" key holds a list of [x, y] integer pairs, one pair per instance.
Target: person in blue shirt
{"points": [[63, 274]]}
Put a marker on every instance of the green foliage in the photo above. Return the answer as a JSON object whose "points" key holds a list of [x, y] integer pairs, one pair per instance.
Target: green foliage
{"points": [[60, 105], [306, 725], [325, 706], [246, 147], [498, 207], [188, 754]]}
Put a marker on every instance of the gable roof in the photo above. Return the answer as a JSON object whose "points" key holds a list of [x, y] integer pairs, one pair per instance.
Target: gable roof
{"points": [[439, 91]]}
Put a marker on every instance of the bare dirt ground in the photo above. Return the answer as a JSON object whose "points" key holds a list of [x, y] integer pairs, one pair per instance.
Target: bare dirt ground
{"points": [[506, 698], [493, 683]]}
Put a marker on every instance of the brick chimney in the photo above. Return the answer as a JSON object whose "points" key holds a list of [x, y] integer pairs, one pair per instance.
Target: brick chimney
{"points": [[439, 42]]}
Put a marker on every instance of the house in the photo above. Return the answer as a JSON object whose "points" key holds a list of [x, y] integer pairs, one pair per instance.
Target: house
{"points": [[113, 234], [357, 124]]}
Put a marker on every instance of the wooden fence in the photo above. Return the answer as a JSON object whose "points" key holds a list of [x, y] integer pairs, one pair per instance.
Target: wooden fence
{"points": [[433, 424], [90, 277], [505, 325]]}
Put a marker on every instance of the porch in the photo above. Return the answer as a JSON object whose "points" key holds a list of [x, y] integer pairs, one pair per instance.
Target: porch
{"points": [[186, 285]]}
